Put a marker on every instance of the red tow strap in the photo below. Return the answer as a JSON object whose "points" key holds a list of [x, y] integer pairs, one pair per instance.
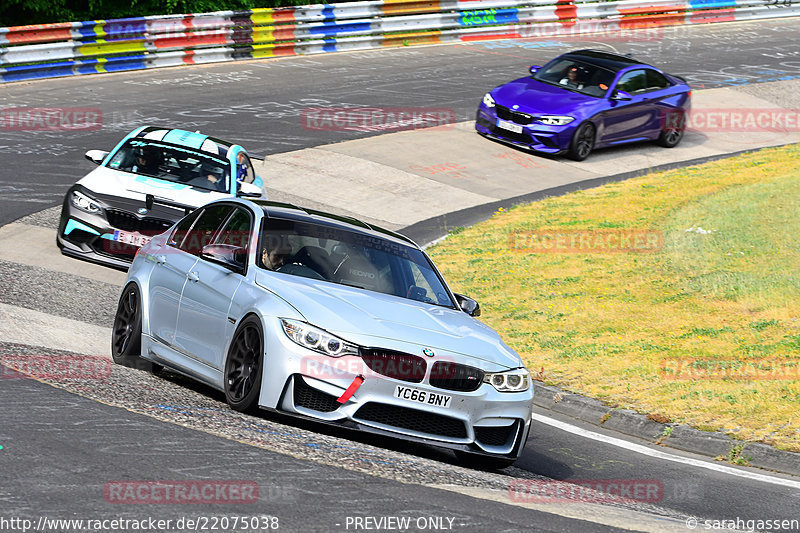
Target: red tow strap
{"points": [[351, 389]]}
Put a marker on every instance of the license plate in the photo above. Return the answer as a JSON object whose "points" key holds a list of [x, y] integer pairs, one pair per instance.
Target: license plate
{"points": [[131, 238], [510, 126], [421, 396]]}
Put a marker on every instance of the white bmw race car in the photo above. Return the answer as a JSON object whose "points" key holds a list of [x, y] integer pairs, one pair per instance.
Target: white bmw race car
{"points": [[150, 180]]}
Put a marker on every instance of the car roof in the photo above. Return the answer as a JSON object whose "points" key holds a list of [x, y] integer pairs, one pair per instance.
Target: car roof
{"points": [[301, 214], [186, 139], [607, 60]]}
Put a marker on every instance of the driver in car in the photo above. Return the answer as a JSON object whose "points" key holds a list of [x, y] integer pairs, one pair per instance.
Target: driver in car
{"points": [[148, 161], [211, 177], [572, 78], [276, 257]]}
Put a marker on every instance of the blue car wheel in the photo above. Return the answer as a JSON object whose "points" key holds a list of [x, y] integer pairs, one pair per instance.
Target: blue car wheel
{"points": [[582, 142], [670, 138]]}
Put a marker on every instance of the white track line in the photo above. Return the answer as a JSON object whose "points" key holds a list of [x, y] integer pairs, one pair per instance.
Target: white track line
{"points": [[645, 450]]}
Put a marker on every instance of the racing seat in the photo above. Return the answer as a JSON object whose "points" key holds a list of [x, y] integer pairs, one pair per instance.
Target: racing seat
{"points": [[315, 258]]}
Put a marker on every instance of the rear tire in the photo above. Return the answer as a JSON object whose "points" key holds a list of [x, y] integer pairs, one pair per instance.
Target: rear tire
{"points": [[126, 336], [582, 142], [243, 366], [670, 138]]}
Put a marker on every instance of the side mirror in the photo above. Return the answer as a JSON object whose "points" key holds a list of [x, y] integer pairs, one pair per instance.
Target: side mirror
{"points": [[621, 96], [468, 305], [534, 69], [231, 257], [96, 156], [248, 190]]}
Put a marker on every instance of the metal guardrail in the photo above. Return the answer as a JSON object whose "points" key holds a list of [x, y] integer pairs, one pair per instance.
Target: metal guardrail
{"points": [[72, 48]]}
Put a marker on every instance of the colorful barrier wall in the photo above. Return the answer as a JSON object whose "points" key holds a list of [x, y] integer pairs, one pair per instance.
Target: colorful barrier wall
{"points": [[72, 48]]}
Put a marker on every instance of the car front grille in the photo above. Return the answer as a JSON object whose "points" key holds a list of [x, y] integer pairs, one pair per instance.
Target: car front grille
{"points": [[514, 116], [310, 398], [126, 221], [412, 419], [495, 436], [395, 365], [455, 377]]}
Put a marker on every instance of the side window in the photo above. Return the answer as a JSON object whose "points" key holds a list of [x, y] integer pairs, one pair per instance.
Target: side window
{"points": [[632, 82], [201, 233], [237, 230], [244, 168], [656, 80], [423, 280], [182, 229]]}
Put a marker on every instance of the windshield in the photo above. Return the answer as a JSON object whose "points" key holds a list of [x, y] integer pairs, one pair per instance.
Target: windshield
{"points": [[350, 258], [576, 76], [172, 163]]}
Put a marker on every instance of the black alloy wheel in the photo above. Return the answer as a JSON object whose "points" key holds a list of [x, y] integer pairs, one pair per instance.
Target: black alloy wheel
{"points": [[243, 366], [582, 142]]}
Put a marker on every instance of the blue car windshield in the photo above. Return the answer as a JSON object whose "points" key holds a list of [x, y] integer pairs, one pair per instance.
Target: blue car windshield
{"points": [[172, 163], [576, 76], [346, 257]]}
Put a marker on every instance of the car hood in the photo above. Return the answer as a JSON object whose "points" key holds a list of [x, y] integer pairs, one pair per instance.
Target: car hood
{"points": [[110, 182], [534, 97], [355, 313]]}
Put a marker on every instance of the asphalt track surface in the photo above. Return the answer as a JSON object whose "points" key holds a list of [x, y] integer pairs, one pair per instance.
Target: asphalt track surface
{"points": [[59, 449]]}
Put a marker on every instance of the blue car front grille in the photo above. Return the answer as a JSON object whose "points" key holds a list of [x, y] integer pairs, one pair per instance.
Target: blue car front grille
{"points": [[514, 116]]}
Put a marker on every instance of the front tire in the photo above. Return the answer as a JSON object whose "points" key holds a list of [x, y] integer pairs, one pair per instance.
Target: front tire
{"points": [[582, 142], [243, 366]]}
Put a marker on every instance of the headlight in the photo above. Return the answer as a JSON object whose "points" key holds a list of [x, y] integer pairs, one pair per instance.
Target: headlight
{"points": [[554, 120], [317, 339], [84, 203], [516, 380], [488, 101]]}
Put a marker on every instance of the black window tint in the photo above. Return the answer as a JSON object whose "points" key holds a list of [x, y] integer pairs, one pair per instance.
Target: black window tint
{"points": [[182, 228], [204, 229], [237, 230], [632, 82], [656, 80]]}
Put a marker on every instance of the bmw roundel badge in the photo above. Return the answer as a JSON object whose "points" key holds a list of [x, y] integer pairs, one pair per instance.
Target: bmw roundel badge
{"points": [[428, 352], [515, 106], [141, 210]]}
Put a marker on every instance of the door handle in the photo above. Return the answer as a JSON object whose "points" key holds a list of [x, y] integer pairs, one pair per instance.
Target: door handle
{"points": [[193, 276]]}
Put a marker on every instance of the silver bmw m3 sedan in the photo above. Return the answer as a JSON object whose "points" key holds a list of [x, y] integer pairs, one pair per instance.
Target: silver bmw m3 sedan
{"points": [[328, 318]]}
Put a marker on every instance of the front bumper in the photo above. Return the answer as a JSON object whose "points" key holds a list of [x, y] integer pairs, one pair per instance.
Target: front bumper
{"points": [[536, 137], [91, 236], [482, 421]]}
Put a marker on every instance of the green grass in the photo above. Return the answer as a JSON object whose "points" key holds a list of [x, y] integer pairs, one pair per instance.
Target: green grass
{"points": [[721, 297]]}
